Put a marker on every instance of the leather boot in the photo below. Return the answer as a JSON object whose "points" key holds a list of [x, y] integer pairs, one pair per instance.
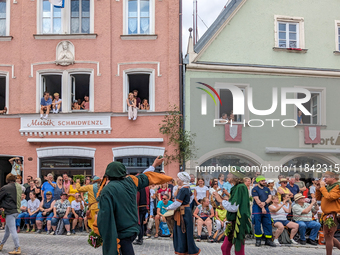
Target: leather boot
{"points": [[1, 247], [258, 242], [16, 251], [269, 242]]}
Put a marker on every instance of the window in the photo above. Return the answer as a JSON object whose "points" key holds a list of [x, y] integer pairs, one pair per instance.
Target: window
{"points": [[338, 38], [226, 109], [80, 16], [289, 32], [313, 106], [3, 17], [75, 18], [139, 17], [137, 164], [80, 88], [2, 92], [288, 35]]}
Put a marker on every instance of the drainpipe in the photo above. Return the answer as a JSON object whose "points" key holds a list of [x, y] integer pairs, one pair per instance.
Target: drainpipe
{"points": [[181, 87]]}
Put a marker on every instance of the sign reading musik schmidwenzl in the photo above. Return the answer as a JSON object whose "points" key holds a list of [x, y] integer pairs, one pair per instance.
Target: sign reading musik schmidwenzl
{"points": [[75, 122]]}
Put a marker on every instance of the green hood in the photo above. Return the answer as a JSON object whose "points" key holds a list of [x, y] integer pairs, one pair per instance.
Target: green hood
{"points": [[115, 170]]}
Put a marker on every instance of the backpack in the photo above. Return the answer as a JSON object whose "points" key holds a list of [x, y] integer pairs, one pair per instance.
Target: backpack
{"points": [[60, 230], [164, 230], [284, 237]]}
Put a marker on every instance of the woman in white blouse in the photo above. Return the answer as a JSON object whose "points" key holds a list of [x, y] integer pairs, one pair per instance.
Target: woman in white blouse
{"points": [[200, 191]]}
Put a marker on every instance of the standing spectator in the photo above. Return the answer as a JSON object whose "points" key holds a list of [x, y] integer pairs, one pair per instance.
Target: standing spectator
{"points": [[294, 189], [143, 201], [277, 185], [161, 209], [73, 190], [77, 207], [164, 190], [214, 188], [220, 181], [45, 105], [27, 184], [85, 104], [247, 182], [66, 182], [312, 189], [30, 189], [227, 187], [10, 196], [207, 177], [132, 107], [262, 198], [16, 166], [302, 214], [192, 183], [278, 213], [85, 198], [32, 209], [23, 211], [50, 185], [299, 118], [152, 207], [135, 95], [171, 186], [299, 183], [201, 191], [257, 174], [45, 212], [271, 187], [18, 180], [37, 189], [58, 189], [56, 104], [283, 189], [330, 205], [204, 213], [62, 210]]}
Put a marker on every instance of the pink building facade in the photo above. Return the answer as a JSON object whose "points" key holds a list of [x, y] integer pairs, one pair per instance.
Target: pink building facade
{"points": [[95, 48]]}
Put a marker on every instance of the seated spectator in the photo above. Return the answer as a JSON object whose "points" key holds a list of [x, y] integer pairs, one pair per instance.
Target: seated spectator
{"points": [[162, 204], [201, 191], [224, 116], [23, 211], [45, 212], [32, 209], [278, 213], [271, 187], [302, 215], [75, 105], [294, 189], [283, 189], [56, 104], [132, 107], [62, 210], [4, 110], [231, 116], [45, 105], [145, 105], [85, 104], [204, 213], [214, 188], [135, 95], [163, 190], [77, 207]]}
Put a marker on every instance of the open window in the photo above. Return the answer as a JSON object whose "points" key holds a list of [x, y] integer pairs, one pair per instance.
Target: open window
{"points": [[314, 107], [79, 90], [227, 106], [51, 84], [140, 82], [2, 92]]}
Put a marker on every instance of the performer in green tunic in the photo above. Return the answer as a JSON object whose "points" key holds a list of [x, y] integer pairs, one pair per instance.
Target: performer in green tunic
{"points": [[238, 208], [117, 219]]}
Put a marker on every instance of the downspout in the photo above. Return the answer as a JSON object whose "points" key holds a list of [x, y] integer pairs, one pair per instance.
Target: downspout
{"points": [[181, 87]]}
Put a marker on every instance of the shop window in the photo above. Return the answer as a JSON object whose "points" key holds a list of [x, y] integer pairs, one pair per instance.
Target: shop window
{"points": [[140, 82], [2, 93], [314, 107], [80, 90], [137, 164], [226, 109]]}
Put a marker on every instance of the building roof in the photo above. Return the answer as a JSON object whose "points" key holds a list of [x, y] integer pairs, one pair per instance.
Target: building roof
{"points": [[220, 20]]}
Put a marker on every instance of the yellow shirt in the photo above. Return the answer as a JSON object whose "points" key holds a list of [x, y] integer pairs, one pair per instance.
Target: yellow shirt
{"points": [[72, 191], [286, 191], [222, 214]]}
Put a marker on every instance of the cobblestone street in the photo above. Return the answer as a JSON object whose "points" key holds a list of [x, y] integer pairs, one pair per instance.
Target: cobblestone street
{"points": [[35, 244]]}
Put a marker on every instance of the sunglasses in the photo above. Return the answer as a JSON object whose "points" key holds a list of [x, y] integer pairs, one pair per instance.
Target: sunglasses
{"points": [[164, 198], [284, 182]]}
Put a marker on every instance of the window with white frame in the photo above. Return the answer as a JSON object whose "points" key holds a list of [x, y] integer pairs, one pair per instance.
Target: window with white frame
{"points": [[313, 106], [288, 35], [289, 32], [139, 17], [339, 38], [74, 18], [75, 93], [4, 21], [226, 109]]}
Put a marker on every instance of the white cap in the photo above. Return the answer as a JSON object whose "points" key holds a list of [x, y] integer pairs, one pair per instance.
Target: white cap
{"points": [[270, 181]]}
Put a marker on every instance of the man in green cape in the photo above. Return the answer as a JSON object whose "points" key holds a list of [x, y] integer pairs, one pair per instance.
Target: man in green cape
{"points": [[117, 219], [238, 214]]}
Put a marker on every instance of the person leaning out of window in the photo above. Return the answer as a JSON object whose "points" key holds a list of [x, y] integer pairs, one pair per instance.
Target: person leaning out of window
{"points": [[132, 107]]}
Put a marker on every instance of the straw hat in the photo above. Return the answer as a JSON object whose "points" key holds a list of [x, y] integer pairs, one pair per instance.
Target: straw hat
{"points": [[283, 180], [298, 196]]}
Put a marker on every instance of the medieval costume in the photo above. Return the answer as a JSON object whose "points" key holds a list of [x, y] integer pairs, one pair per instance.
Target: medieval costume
{"points": [[143, 201], [117, 219], [238, 208], [92, 191], [330, 206], [183, 231]]}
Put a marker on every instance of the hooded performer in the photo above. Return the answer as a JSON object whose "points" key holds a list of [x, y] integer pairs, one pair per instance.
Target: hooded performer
{"points": [[238, 208], [117, 219], [184, 243]]}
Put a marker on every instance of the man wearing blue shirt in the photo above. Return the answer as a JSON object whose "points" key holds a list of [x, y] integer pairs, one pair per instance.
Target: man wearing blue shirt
{"points": [[227, 187], [262, 198], [164, 203], [45, 105], [292, 186]]}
